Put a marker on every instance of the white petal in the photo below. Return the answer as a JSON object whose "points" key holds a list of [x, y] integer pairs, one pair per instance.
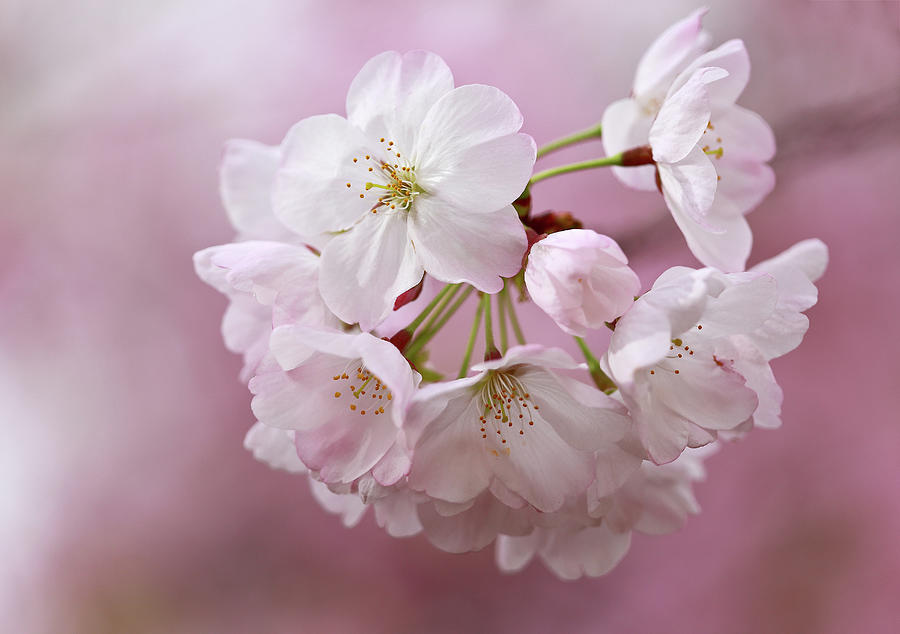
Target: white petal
{"points": [[392, 93], [450, 460], [731, 56], [742, 307], [627, 125], [347, 505], [689, 186], [683, 117], [454, 245], [311, 194], [743, 134], [483, 177], [591, 551], [275, 447], [668, 54], [364, 269], [463, 118], [246, 177], [725, 248], [514, 553]]}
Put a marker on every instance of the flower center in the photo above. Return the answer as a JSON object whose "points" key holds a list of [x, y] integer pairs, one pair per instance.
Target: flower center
{"points": [[397, 189], [681, 353], [361, 390], [506, 407], [708, 149]]}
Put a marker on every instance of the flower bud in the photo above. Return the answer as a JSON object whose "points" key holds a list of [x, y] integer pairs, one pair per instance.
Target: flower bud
{"points": [[581, 279]]}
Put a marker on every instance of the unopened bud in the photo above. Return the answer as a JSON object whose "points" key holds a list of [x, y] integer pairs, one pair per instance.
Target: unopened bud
{"points": [[642, 155], [409, 296]]}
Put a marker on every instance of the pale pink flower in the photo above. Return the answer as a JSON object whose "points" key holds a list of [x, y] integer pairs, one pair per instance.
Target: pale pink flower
{"points": [[581, 279], [517, 427], [345, 396], [654, 500], [418, 177], [626, 122], [711, 156], [268, 283], [691, 357]]}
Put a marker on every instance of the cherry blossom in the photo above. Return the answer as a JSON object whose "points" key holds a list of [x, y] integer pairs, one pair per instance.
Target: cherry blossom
{"points": [[346, 401], [409, 181], [581, 279], [517, 424], [691, 356]]}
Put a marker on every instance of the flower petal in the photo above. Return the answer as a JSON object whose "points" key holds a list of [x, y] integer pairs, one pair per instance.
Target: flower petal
{"points": [[689, 187], [275, 447], [727, 246], [683, 117], [463, 118], [483, 177], [246, 177], [668, 54], [731, 56], [627, 125], [364, 269], [392, 93], [311, 194], [455, 245]]}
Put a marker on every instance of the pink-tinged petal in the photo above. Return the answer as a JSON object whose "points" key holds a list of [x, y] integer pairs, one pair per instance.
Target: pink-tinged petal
{"points": [[286, 399], [615, 464], [510, 498], [384, 360], [455, 245], [707, 391], [731, 56], [668, 54], [310, 195], [809, 257], [580, 425], [290, 344], [246, 177], [393, 92], [345, 447], [689, 187], [484, 177], [753, 365], [246, 327], [450, 459], [663, 432], [393, 466], [743, 306], [591, 551], [627, 125], [541, 467], [514, 553], [743, 133], [728, 247], [463, 118], [364, 269], [275, 447], [743, 183], [683, 117], [795, 270], [398, 514], [347, 505], [473, 529]]}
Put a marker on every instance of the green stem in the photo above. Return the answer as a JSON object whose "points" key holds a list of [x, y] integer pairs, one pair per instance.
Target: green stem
{"points": [[436, 315], [473, 335], [602, 381], [501, 318], [514, 320], [422, 340], [594, 132], [488, 326], [415, 323], [615, 159]]}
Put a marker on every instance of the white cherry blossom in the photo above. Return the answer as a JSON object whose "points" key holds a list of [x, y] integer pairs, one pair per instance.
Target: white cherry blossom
{"points": [[418, 177]]}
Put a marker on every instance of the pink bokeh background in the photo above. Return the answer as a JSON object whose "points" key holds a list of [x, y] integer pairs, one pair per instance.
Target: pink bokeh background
{"points": [[127, 503]]}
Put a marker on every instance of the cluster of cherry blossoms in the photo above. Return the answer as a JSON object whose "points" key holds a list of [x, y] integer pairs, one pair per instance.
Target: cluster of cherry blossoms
{"points": [[360, 236]]}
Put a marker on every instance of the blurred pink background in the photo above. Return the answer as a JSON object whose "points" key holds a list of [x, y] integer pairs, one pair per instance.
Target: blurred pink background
{"points": [[127, 503]]}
